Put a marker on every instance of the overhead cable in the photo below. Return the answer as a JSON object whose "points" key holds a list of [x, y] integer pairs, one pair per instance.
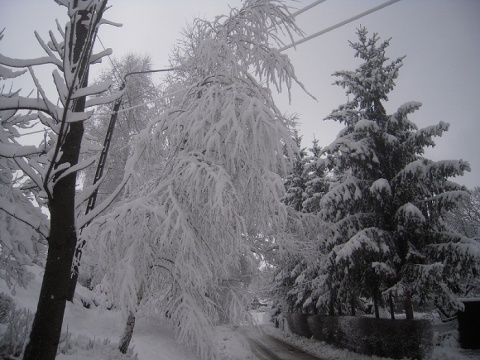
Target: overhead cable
{"points": [[365, 13], [308, 7]]}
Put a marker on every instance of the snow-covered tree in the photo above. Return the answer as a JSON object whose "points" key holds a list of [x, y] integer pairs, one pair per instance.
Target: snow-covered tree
{"points": [[466, 217], [387, 232], [114, 133], [295, 271], [52, 165], [295, 182], [23, 227], [317, 182], [466, 220], [138, 106], [206, 178]]}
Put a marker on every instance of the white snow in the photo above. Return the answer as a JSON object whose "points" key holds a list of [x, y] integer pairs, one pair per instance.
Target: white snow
{"points": [[97, 330]]}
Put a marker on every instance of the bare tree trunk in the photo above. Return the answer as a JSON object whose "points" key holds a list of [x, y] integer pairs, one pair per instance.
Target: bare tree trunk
{"points": [[130, 325]]}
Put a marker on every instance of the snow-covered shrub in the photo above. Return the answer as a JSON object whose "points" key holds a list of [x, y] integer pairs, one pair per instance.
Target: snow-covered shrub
{"points": [[82, 346], [298, 324], [395, 339], [6, 304], [18, 324]]}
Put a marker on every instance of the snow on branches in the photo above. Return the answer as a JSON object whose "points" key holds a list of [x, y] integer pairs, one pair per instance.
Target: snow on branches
{"points": [[69, 79], [386, 231], [206, 178]]}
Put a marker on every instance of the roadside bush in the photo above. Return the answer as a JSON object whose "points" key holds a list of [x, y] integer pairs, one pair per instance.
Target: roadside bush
{"points": [[15, 328], [396, 339], [298, 324], [6, 304]]}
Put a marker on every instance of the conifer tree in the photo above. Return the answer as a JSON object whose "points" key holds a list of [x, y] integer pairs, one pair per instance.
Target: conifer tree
{"points": [[387, 232], [316, 182], [295, 182]]}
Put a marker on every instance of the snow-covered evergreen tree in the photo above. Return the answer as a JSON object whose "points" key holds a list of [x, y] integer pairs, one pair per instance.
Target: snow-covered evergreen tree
{"points": [[317, 183], [294, 272], [295, 182], [206, 178], [387, 232]]}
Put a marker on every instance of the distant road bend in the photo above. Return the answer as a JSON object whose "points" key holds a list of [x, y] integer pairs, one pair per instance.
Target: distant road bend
{"points": [[266, 347]]}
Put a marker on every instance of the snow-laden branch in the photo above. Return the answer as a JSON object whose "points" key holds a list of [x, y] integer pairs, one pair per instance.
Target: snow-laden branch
{"points": [[101, 100], [19, 102], [86, 219], [46, 48], [29, 169], [18, 213], [6, 73], [92, 89], [21, 63], [12, 151], [97, 58], [73, 169]]}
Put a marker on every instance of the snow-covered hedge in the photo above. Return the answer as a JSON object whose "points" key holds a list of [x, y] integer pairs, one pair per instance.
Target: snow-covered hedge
{"points": [[395, 339]]}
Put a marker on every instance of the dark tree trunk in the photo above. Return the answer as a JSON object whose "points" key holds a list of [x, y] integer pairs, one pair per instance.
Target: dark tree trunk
{"points": [[47, 324], [127, 334], [352, 305], [331, 305], [392, 306], [407, 303], [375, 304], [130, 325]]}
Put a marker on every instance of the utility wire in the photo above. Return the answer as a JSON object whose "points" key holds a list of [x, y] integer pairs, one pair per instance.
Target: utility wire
{"points": [[308, 7], [165, 96], [109, 58], [365, 13]]}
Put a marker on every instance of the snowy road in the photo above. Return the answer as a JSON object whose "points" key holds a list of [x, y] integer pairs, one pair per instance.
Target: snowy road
{"points": [[266, 347]]}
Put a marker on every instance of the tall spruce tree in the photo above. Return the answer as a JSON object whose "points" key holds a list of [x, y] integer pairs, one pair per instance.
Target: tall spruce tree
{"points": [[316, 182], [387, 232], [295, 182], [293, 286]]}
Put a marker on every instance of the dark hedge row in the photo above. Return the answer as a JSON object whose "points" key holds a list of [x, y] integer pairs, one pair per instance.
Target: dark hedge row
{"points": [[387, 338]]}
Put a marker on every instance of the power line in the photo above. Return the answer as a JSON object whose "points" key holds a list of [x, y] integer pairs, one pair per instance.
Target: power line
{"points": [[365, 13], [145, 103], [308, 7], [109, 58]]}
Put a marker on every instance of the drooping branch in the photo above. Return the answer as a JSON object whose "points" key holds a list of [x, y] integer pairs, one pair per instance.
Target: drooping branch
{"points": [[32, 221]]}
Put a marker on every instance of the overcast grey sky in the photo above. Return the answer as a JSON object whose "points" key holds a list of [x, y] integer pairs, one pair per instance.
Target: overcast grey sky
{"points": [[439, 37]]}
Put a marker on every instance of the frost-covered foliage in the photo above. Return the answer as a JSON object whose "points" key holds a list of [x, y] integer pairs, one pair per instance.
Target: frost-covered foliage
{"points": [[387, 235], [298, 264], [138, 106], [14, 328], [22, 225], [317, 181], [205, 179], [83, 347], [466, 217], [295, 182]]}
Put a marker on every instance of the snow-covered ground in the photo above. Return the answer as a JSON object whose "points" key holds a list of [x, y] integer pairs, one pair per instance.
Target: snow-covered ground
{"points": [[93, 334]]}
